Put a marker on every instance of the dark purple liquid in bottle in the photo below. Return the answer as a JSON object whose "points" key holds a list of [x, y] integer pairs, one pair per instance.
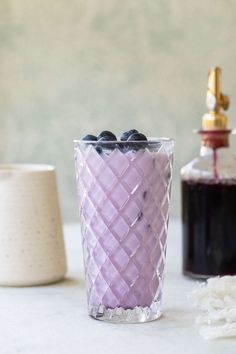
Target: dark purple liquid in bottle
{"points": [[209, 228]]}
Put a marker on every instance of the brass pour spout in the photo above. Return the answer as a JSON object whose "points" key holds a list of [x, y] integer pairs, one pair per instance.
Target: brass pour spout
{"points": [[215, 101]]}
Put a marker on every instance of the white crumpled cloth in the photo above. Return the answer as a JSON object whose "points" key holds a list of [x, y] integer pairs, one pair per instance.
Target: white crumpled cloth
{"points": [[217, 300]]}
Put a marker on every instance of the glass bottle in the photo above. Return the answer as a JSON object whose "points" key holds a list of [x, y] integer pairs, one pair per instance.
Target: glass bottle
{"points": [[209, 194]]}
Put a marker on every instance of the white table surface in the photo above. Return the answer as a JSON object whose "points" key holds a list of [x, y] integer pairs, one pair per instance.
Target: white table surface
{"points": [[53, 319]]}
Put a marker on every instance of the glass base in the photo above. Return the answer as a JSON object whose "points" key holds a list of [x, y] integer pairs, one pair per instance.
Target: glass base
{"points": [[120, 315]]}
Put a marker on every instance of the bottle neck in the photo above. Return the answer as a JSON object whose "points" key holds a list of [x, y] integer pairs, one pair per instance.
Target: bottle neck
{"points": [[208, 151], [214, 139]]}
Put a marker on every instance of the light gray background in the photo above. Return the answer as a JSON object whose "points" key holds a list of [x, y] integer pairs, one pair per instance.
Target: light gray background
{"points": [[72, 67]]}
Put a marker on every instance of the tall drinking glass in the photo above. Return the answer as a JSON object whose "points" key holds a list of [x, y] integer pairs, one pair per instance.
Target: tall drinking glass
{"points": [[124, 195]]}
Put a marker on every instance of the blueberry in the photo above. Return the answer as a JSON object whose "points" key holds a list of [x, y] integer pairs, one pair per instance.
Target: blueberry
{"points": [[137, 141], [98, 149], [89, 137], [104, 138], [137, 137], [126, 135], [105, 135], [102, 145]]}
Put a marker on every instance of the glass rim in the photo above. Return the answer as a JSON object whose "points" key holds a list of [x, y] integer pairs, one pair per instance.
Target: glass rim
{"points": [[151, 140]]}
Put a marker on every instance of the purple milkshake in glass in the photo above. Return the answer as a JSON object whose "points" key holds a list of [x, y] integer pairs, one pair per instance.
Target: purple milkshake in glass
{"points": [[124, 191]]}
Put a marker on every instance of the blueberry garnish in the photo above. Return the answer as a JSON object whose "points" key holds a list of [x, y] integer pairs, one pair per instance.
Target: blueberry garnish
{"points": [[133, 140], [104, 138], [98, 149], [102, 145], [106, 141], [89, 137], [126, 135], [105, 135], [137, 141], [137, 137]]}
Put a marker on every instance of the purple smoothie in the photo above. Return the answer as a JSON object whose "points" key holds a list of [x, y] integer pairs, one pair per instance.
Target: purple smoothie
{"points": [[124, 205]]}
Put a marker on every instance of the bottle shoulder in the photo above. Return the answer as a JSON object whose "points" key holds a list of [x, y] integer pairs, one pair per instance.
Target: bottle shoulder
{"points": [[203, 166]]}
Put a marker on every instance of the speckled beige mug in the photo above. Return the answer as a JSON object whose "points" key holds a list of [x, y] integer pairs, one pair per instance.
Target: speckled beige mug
{"points": [[31, 240]]}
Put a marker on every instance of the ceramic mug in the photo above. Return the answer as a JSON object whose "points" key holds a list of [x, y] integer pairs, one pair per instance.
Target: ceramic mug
{"points": [[31, 239]]}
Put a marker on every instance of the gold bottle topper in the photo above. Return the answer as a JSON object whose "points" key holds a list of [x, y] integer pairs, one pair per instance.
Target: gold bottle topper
{"points": [[215, 101]]}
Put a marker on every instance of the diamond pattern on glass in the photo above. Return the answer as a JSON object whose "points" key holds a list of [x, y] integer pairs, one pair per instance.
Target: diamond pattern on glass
{"points": [[108, 211], [131, 274], [96, 194], [119, 196], [107, 178], [109, 243], [120, 259], [145, 162], [98, 227], [120, 229], [123, 165], [131, 211], [131, 179], [124, 219], [131, 243], [109, 272], [94, 162]]}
